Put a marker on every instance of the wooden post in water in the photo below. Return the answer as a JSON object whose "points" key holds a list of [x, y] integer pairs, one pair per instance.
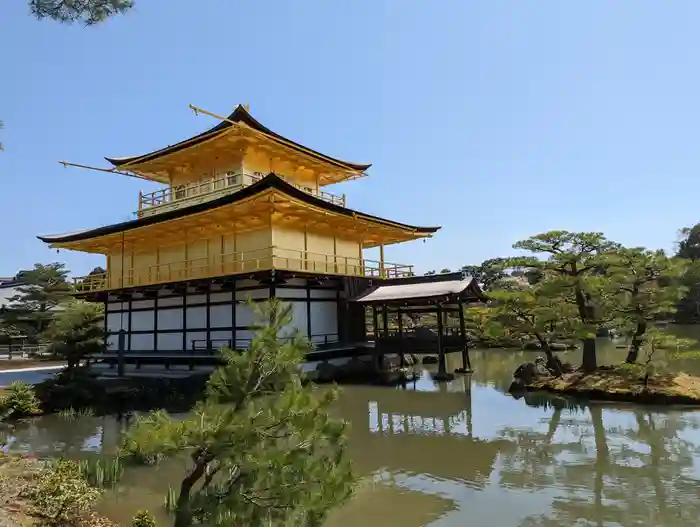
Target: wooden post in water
{"points": [[466, 363], [375, 328], [399, 316], [442, 366], [385, 327]]}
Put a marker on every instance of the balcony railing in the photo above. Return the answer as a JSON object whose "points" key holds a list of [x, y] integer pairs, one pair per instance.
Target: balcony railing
{"points": [[159, 201], [241, 262]]}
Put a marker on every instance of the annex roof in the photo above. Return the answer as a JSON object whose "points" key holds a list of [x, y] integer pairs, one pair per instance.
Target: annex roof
{"points": [[239, 115], [271, 181], [423, 291]]}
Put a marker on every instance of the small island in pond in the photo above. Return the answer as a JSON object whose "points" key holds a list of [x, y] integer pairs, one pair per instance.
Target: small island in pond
{"points": [[614, 383], [577, 287]]}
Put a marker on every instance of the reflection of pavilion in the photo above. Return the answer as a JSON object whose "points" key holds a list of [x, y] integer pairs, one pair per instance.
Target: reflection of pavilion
{"points": [[428, 433]]}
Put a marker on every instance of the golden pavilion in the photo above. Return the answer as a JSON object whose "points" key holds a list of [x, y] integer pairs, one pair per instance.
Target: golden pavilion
{"points": [[243, 214]]}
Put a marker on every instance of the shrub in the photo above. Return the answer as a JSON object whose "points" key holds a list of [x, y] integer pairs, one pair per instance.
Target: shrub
{"points": [[60, 494], [77, 389], [19, 401], [143, 518]]}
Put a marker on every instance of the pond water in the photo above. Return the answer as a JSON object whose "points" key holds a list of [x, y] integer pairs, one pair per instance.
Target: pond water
{"points": [[29, 377], [466, 453]]}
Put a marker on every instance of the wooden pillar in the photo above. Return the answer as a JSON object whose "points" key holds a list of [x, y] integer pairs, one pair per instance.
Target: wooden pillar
{"points": [[382, 273], [466, 363], [385, 321], [399, 315], [442, 366], [375, 326], [121, 344]]}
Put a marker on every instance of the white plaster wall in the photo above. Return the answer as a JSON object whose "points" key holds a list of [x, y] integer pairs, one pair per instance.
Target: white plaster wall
{"points": [[117, 306], [196, 317], [172, 301], [142, 304], [195, 335], [113, 321], [142, 320], [245, 316], [290, 293], [221, 297], [196, 299], [142, 342], [220, 315], [324, 320], [170, 341], [298, 319], [170, 319], [253, 294], [224, 335]]}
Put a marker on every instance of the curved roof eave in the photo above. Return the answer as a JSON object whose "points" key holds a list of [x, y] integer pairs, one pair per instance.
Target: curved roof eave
{"points": [[271, 181], [240, 114]]}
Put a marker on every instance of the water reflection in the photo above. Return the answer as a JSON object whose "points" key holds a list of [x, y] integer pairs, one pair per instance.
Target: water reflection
{"points": [[464, 452]]}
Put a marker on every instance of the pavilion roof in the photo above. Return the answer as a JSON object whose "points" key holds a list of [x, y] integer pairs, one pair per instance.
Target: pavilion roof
{"points": [[242, 116], [424, 290], [270, 183]]}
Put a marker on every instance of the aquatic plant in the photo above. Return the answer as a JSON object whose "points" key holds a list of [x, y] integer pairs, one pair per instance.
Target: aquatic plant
{"points": [[70, 413], [171, 500], [101, 472]]}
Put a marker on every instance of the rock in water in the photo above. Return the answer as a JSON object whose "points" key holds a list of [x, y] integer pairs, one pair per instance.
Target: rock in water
{"points": [[528, 372]]}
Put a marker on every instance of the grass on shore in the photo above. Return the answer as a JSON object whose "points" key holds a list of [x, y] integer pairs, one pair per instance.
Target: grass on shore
{"points": [[617, 383]]}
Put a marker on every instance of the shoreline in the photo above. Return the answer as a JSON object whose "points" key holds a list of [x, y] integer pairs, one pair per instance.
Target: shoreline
{"points": [[610, 384], [33, 368]]}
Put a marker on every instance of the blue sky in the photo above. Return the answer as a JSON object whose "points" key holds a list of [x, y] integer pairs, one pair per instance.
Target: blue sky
{"points": [[495, 119]]}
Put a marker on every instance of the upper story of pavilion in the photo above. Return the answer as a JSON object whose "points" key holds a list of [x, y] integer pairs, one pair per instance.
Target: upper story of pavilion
{"points": [[239, 199], [232, 155]]}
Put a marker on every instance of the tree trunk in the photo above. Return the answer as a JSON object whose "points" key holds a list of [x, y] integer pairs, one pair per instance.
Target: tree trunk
{"points": [[553, 363], [183, 514], [636, 344], [590, 361]]}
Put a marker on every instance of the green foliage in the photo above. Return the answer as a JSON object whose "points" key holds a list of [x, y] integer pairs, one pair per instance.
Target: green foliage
{"points": [[19, 401], [646, 286], [60, 494], [75, 389], [101, 473], [659, 349], [89, 12], [45, 288], [76, 332], [143, 518], [263, 449], [488, 273], [538, 312], [575, 265]]}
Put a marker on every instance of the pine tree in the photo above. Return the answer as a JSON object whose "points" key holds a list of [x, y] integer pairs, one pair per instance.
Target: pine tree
{"points": [[45, 287], [89, 12], [262, 447], [76, 332]]}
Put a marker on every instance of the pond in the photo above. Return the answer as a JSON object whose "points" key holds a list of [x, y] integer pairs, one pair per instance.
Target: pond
{"points": [[466, 453], [27, 376]]}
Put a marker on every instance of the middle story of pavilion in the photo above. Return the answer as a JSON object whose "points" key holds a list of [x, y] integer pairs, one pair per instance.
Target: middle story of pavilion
{"points": [[178, 280]]}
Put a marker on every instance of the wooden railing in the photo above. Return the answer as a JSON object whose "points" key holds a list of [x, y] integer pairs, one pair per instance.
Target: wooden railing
{"points": [[211, 188], [241, 262]]}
